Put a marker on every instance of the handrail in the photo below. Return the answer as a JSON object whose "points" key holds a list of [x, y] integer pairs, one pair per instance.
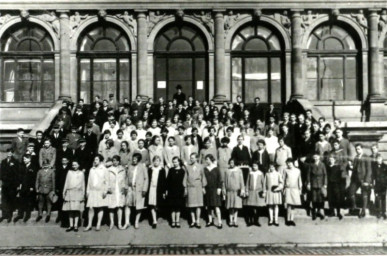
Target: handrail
{"points": [[46, 121]]}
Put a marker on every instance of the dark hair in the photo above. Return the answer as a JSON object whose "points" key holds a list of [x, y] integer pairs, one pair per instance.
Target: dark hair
{"points": [[127, 145], [133, 132], [100, 157], [262, 142], [107, 132], [138, 156], [119, 131], [39, 131], [358, 145], [186, 137], [211, 157], [225, 140], [289, 160], [116, 157]]}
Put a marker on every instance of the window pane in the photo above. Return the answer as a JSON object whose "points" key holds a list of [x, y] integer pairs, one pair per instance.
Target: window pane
{"points": [[124, 79], [332, 44], [350, 80], [28, 46], [180, 45], [161, 78], [311, 77], [236, 77], [8, 89], [276, 80], [274, 43], [331, 74], [237, 43], [48, 91], [200, 79], [29, 81], [104, 45], [48, 70], [180, 72], [161, 44], [247, 32], [122, 44], [256, 44], [105, 76], [199, 44], [263, 31], [85, 92], [31, 38], [187, 32], [85, 70], [256, 79]]}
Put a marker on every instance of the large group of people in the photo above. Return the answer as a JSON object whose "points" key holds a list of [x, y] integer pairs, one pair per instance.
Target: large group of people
{"points": [[185, 156]]}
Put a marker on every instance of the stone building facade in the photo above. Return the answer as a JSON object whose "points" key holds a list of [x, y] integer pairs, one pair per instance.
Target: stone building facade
{"points": [[330, 56]]}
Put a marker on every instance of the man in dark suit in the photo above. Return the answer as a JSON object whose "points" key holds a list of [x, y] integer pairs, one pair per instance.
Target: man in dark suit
{"points": [[38, 141], [19, 145], [138, 105], [241, 156], [344, 143], [196, 138], [56, 137], [257, 111], [179, 96], [63, 151], [10, 178], [91, 138], [84, 156], [60, 179], [27, 191], [361, 178], [380, 185], [261, 156]]}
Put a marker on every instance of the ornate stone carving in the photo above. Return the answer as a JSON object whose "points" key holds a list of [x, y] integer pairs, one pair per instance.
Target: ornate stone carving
{"points": [[206, 19], [334, 14], [229, 20], [24, 14], [75, 22], [4, 18], [382, 20], [129, 20], [179, 14], [51, 19], [283, 19], [153, 18], [360, 19], [257, 14], [102, 14], [308, 18]]}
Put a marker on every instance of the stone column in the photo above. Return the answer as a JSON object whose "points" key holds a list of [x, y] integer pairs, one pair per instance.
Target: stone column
{"points": [[374, 71], [220, 78], [297, 80], [65, 85], [142, 31]]}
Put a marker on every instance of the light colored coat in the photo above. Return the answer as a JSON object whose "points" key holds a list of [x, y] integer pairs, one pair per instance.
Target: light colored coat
{"points": [[194, 182], [137, 187]]}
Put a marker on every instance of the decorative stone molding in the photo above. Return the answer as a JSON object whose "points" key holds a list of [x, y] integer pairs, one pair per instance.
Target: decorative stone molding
{"points": [[4, 18], [52, 20], [361, 19], [179, 14], [308, 18], [155, 17], [129, 21], [75, 21], [24, 14], [334, 14], [230, 19], [206, 19], [284, 20], [257, 14], [102, 14], [382, 21]]}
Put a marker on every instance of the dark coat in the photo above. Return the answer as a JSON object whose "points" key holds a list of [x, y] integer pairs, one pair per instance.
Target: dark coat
{"points": [[161, 185], [60, 176], [85, 158], [257, 112], [336, 174], [79, 121], [241, 156], [317, 175], [28, 179], [10, 174], [198, 142], [180, 98], [380, 177], [56, 142], [19, 147], [362, 171], [264, 165], [306, 148], [91, 141], [69, 153]]}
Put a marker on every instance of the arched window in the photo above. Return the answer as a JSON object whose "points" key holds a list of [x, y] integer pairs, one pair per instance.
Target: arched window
{"points": [[181, 59], [104, 63], [27, 61], [332, 64], [257, 56]]}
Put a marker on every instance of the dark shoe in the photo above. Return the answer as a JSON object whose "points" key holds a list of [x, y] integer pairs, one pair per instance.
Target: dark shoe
{"points": [[230, 224], [47, 218], [69, 229], [26, 218], [38, 218], [57, 220], [340, 216], [9, 219], [257, 224], [350, 213], [276, 224], [322, 216], [197, 225], [270, 223], [173, 225], [178, 225], [288, 223], [384, 216], [76, 229], [248, 224], [362, 214], [154, 225], [1, 219], [220, 226], [209, 224], [236, 225], [17, 218], [192, 225], [293, 223]]}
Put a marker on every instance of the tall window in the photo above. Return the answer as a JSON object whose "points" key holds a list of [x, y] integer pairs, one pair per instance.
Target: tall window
{"points": [[181, 59], [27, 65], [104, 63], [332, 65], [256, 64]]}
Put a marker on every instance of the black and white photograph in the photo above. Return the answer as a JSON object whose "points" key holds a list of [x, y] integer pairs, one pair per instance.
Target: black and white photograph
{"points": [[201, 127]]}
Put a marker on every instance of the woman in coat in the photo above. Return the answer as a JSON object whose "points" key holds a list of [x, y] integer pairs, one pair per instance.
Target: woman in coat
{"points": [[273, 186], [213, 200], [74, 195], [125, 154], [293, 188], [317, 185], [137, 180], [207, 150], [175, 191], [156, 149], [116, 190], [157, 187], [96, 191], [234, 187], [110, 150], [194, 184], [254, 194]]}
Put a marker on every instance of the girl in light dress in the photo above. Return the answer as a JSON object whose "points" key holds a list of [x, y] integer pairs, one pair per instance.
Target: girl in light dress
{"points": [[138, 182], [156, 149], [125, 154], [273, 185], [116, 190], [188, 149], [170, 151], [208, 149], [143, 151], [293, 188], [74, 195], [254, 193], [96, 191], [234, 190], [157, 188]]}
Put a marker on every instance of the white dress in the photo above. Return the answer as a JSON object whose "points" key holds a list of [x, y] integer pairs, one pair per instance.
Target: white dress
{"points": [[97, 186], [152, 200]]}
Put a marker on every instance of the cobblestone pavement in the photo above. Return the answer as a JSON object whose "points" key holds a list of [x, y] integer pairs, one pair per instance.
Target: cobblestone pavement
{"points": [[199, 250]]}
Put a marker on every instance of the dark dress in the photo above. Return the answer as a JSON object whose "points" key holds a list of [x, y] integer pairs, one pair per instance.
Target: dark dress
{"points": [[335, 186], [214, 182], [175, 188]]}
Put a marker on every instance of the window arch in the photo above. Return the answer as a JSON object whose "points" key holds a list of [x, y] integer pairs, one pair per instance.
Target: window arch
{"points": [[104, 63], [181, 59], [257, 58], [332, 64], [27, 60]]}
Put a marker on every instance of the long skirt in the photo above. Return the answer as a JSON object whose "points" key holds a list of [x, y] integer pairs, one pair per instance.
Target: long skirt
{"points": [[233, 200], [335, 196]]}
